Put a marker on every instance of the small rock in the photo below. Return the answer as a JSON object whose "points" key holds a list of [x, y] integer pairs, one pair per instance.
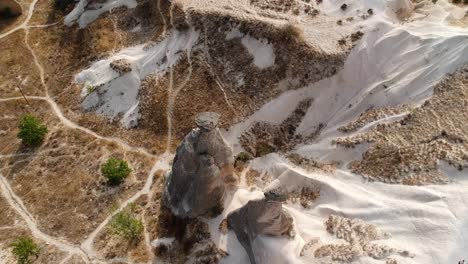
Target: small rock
{"points": [[261, 217]]}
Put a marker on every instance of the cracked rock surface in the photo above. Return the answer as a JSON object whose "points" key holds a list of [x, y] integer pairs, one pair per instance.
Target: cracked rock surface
{"points": [[261, 217], [202, 165]]}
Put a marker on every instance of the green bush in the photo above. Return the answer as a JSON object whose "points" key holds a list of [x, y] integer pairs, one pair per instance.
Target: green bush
{"points": [[90, 88], [262, 149], [127, 225], [25, 249], [243, 156], [32, 131], [115, 170]]}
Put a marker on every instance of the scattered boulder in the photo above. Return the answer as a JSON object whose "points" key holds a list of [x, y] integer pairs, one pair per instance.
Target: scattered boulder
{"points": [[261, 217], [202, 168], [121, 66]]}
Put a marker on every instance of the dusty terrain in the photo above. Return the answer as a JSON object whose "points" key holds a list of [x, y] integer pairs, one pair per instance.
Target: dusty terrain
{"points": [[55, 193], [408, 151]]}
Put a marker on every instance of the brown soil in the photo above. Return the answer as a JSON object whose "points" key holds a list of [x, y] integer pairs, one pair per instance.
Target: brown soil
{"points": [[372, 115], [305, 196], [256, 178], [312, 165], [263, 138], [60, 181], [68, 162], [111, 246], [16, 68], [12, 227]]}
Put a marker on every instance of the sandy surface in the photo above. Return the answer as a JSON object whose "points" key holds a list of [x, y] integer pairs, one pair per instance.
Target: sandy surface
{"points": [[374, 161]]}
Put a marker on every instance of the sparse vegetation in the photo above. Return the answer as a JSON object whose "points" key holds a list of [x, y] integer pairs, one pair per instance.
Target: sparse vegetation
{"points": [[262, 149], [90, 88], [241, 160], [25, 250], [293, 30], [127, 225], [115, 170], [32, 131], [243, 157]]}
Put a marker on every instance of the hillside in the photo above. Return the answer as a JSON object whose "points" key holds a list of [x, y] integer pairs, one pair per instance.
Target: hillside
{"points": [[340, 136]]}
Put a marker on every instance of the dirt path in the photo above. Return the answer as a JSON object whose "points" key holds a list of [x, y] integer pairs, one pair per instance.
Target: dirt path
{"points": [[86, 249], [15, 202], [23, 25]]}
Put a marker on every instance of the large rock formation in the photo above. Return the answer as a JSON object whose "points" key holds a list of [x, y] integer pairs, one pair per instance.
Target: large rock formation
{"points": [[202, 167], [261, 217]]}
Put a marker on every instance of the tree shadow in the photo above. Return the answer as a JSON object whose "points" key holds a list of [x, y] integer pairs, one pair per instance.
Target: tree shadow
{"points": [[22, 157], [7, 21]]}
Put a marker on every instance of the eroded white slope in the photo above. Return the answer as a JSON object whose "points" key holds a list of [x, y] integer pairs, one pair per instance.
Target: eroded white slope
{"points": [[116, 94], [84, 12], [394, 63]]}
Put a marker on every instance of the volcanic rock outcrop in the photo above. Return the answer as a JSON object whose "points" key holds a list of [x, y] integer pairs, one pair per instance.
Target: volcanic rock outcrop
{"points": [[202, 167], [261, 217]]}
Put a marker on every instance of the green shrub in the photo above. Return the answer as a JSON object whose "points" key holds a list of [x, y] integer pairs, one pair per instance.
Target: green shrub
{"points": [[126, 224], [262, 149], [90, 88], [243, 156], [115, 170], [241, 159], [25, 250], [32, 131]]}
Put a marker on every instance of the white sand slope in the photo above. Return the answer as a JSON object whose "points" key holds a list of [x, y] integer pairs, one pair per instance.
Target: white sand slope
{"points": [[394, 63], [117, 94], [85, 13]]}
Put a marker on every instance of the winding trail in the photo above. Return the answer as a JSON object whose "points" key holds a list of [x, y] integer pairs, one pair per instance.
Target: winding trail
{"points": [[70, 124], [213, 73], [169, 110], [23, 25], [85, 250], [15, 203], [161, 164]]}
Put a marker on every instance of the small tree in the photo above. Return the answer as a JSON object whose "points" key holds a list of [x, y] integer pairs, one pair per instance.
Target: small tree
{"points": [[115, 170], [127, 225], [32, 131], [24, 248]]}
